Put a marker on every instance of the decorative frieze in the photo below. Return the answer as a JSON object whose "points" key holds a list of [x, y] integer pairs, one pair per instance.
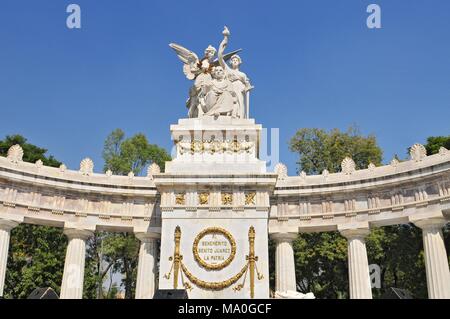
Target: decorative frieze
{"points": [[167, 199], [83, 205], [214, 146], [215, 200], [304, 208], [238, 199], [373, 204], [397, 201], [227, 198], [58, 203], [180, 199], [421, 196], [203, 198], [9, 196], [444, 189], [327, 207], [250, 199], [127, 210], [350, 207], [283, 210], [34, 209], [57, 212]]}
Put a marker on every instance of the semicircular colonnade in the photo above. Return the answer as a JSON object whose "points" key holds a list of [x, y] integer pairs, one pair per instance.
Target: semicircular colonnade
{"points": [[352, 201]]}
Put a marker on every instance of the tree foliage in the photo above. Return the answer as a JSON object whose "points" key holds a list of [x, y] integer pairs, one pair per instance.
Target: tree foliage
{"points": [[32, 153], [119, 252], [434, 143], [321, 264], [398, 250], [109, 254], [123, 155], [321, 258], [319, 150]]}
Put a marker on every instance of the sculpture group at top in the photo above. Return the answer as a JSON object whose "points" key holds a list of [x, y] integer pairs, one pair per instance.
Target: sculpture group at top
{"points": [[220, 89]]}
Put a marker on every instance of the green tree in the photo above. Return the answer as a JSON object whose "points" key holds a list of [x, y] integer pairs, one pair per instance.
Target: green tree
{"points": [[398, 250], [123, 155], [32, 153], [120, 251], [37, 253], [321, 258], [434, 143], [321, 264], [100, 259], [319, 150]]}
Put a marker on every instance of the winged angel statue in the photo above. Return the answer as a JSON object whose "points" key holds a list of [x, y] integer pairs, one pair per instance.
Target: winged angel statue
{"points": [[219, 89]]}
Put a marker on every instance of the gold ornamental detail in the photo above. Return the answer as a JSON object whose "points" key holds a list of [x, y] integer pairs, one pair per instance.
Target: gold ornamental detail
{"points": [[180, 199], [212, 231], [203, 198], [179, 269], [227, 198], [250, 199], [213, 285], [215, 146]]}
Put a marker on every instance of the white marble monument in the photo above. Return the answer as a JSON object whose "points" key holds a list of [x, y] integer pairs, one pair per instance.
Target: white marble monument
{"points": [[215, 192], [210, 213]]}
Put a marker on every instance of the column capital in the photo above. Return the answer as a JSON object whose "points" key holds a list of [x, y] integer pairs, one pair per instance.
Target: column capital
{"points": [[430, 223], [147, 237], [355, 233], [7, 225], [72, 233], [284, 237]]}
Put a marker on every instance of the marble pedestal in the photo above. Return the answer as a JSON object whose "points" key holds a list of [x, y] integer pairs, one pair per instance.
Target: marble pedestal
{"points": [[220, 145], [238, 224], [215, 206]]}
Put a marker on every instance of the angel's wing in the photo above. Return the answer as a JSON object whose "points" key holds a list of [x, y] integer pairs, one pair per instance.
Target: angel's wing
{"points": [[189, 58], [185, 55], [227, 56]]}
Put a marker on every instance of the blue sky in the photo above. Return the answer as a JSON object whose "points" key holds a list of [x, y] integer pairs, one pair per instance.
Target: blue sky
{"points": [[313, 64]]}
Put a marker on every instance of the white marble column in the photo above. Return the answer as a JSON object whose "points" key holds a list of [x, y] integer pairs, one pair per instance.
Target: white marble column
{"points": [[146, 276], [73, 276], [284, 262], [358, 265], [5, 232], [436, 261]]}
